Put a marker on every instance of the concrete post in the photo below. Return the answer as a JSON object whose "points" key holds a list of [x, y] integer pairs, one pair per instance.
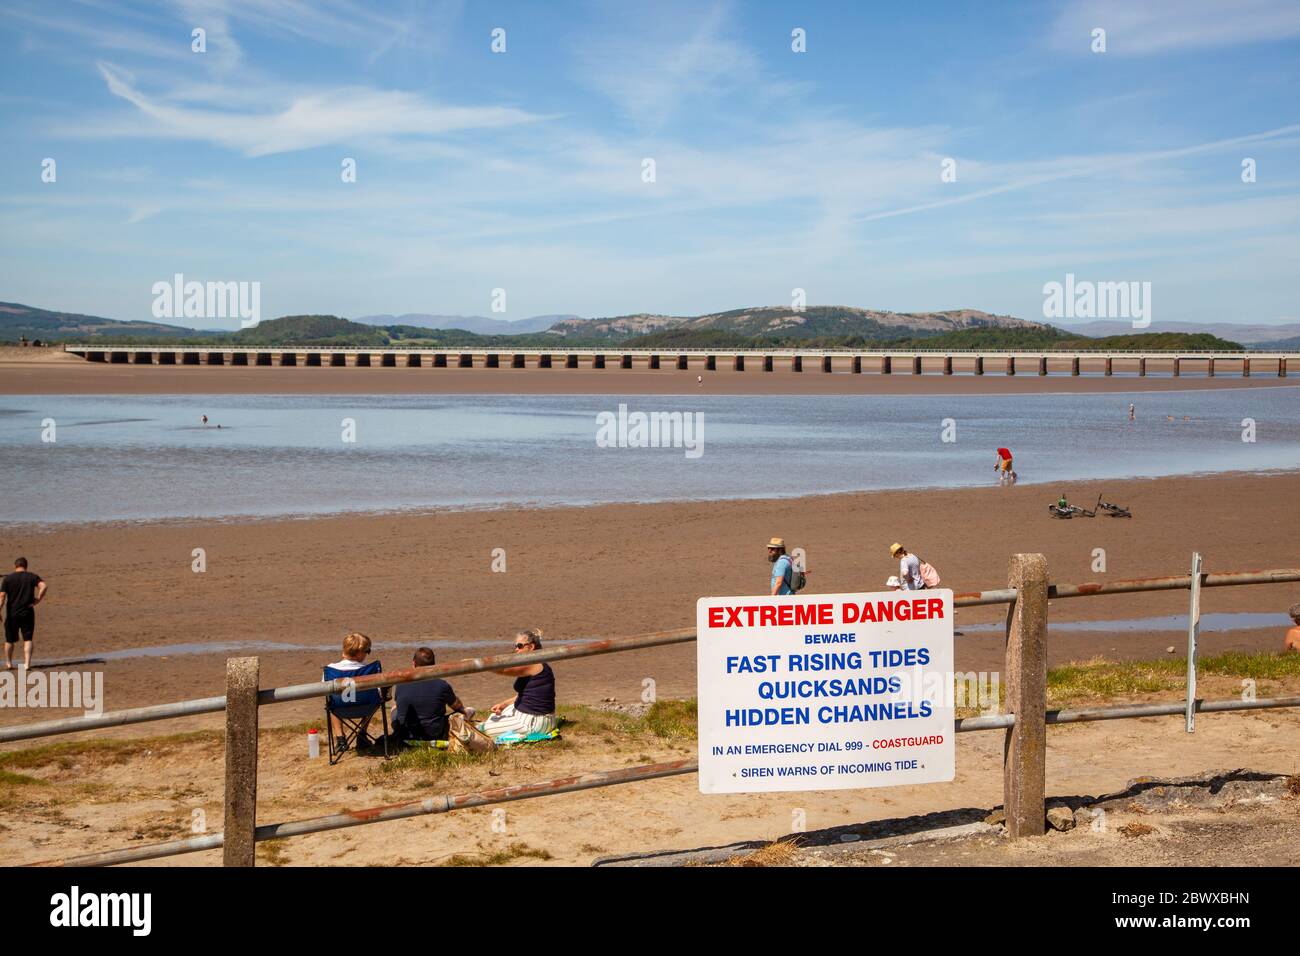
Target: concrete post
{"points": [[947, 365], [979, 365], [1110, 366], [1074, 365], [1011, 365], [1245, 368], [916, 365], [1210, 370], [241, 761], [1281, 368], [1177, 367], [886, 366], [857, 365], [1142, 368], [826, 364], [1042, 365], [796, 364], [1024, 767]]}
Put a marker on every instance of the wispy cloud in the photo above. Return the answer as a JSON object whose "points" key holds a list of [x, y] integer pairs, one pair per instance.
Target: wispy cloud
{"points": [[1163, 26], [341, 115]]}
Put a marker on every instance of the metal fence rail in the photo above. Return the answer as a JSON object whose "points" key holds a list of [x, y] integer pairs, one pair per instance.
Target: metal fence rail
{"points": [[474, 665], [1023, 789]]}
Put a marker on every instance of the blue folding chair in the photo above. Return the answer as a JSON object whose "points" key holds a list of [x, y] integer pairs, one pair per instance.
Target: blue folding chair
{"points": [[353, 717]]}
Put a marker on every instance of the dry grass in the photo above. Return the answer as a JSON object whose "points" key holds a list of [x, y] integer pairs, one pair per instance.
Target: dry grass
{"points": [[516, 851], [780, 853], [1137, 829]]}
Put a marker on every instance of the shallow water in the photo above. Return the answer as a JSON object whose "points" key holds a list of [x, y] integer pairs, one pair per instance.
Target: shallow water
{"points": [[147, 457]]}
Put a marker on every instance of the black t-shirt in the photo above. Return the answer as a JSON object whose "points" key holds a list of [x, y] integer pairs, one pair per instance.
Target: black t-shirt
{"points": [[19, 588], [422, 708]]}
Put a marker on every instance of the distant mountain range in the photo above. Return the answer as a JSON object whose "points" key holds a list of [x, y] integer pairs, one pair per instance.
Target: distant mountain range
{"points": [[815, 326], [1253, 336], [482, 325]]}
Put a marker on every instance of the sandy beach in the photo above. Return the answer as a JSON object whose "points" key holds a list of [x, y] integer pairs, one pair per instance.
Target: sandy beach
{"points": [[53, 372], [617, 570]]}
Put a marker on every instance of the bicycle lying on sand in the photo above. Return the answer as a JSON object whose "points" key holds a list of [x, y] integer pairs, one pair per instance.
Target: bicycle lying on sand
{"points": [[1059, 510]]}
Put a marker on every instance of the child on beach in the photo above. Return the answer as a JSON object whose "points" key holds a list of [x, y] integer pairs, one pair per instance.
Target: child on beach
{"points": [[1292, 642]]}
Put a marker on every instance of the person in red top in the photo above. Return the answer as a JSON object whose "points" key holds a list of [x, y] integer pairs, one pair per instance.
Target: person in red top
{"points": [[1003, 464]]}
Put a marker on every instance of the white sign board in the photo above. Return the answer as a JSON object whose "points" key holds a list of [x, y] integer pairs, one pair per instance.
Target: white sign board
{"points": [[825, 691]]}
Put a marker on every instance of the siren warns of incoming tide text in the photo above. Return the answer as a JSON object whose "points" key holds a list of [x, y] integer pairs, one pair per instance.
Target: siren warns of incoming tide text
{"points": [[825, 691]]}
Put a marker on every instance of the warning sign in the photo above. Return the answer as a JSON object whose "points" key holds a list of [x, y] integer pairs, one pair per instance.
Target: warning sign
{"points": [[825, 691]]}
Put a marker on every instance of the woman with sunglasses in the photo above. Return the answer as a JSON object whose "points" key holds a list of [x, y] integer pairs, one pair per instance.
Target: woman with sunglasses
{"points": [[531, 708]]}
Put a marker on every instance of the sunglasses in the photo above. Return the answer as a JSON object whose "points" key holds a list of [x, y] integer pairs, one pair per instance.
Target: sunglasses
{"points": [[520, 647]]}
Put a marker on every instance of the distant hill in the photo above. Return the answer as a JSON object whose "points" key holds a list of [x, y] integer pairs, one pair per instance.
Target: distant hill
{"points": [[17, 321], [1281, 344], [783, 323], [479, 324], [1249, 335], [764, 327]]}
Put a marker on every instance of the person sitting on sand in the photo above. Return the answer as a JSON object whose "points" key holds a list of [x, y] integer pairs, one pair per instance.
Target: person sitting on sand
{"points": [[1292, 642], [356, 648], [531, 708], [420, 709]]}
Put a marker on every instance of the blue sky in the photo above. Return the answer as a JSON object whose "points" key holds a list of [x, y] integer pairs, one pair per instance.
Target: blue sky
{"points": [[774, 170]]}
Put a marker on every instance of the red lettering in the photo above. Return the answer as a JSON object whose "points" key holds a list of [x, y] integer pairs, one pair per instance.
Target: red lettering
{"points": [[733, 617], [767, 616], [936, 608], [715, 617]]}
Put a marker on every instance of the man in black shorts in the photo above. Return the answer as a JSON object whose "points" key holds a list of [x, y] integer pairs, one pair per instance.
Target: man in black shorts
{"points": [[20, 592]]}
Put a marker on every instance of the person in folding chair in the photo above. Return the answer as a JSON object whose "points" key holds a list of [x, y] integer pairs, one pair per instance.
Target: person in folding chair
{"points": [[349, 715]]}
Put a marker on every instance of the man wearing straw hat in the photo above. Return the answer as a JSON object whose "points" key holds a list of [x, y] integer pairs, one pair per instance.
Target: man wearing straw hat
{"points": [[782, 567]]}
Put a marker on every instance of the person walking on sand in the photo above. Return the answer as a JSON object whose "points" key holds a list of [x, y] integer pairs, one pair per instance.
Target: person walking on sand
{"points": [[909, 569], [20, 592], [782, 581], [205, 420], [531, 708]]}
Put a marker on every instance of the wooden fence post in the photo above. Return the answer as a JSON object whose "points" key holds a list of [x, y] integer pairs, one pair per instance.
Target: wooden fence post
{"points": [[239, 848], [1024, 766]]}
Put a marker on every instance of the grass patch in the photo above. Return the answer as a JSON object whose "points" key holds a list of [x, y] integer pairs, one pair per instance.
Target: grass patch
{"points": [[272, 852], [65, 754], [780, 853], [516, 851], [1100, 679], [9, 778], [664, 720]]}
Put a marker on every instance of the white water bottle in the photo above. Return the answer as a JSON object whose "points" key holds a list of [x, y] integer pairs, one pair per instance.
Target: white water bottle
{"points": [[313, 744]]}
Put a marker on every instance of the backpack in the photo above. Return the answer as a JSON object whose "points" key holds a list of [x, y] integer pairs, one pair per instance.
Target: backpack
{"points": [[928, 574], [796, 580]]}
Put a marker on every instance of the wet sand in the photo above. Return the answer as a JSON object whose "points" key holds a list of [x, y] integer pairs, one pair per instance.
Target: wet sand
{"points": [[51, 372], [618, 570]]}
